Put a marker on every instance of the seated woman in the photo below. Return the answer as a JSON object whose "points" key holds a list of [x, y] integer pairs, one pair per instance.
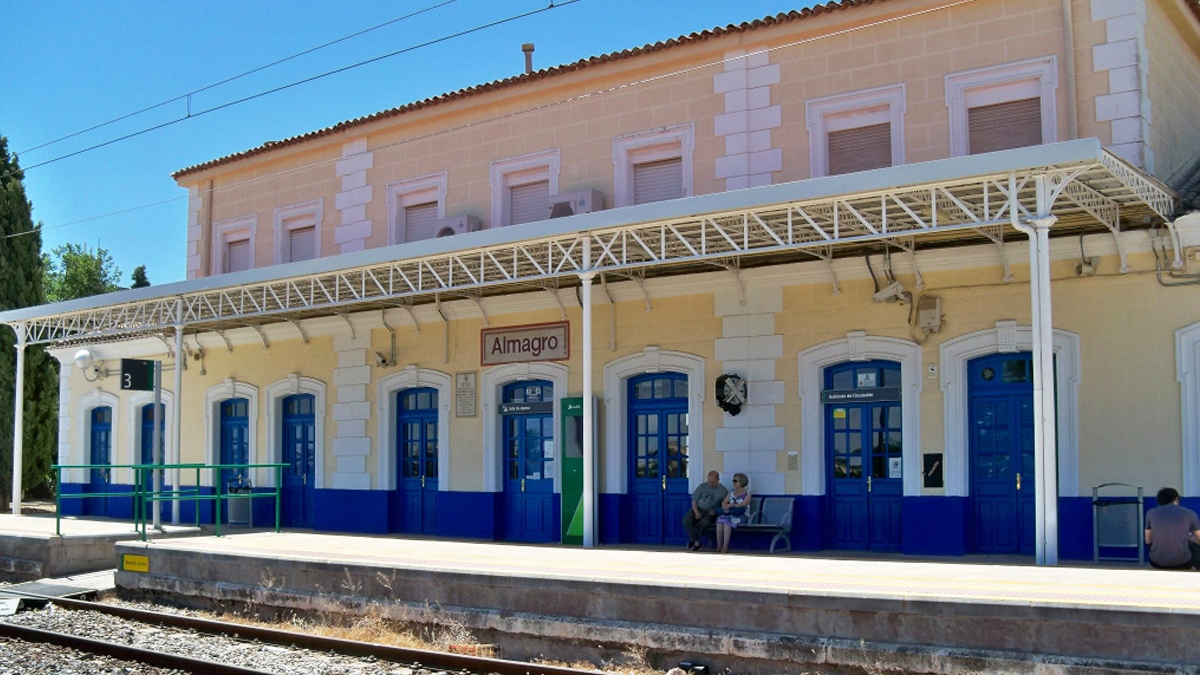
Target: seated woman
{"points": [[734, 509]]}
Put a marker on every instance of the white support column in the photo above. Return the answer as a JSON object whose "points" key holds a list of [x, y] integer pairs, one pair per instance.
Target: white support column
{"points": [[18, 420], [589, 412], [177, 411], [1045, 448]]}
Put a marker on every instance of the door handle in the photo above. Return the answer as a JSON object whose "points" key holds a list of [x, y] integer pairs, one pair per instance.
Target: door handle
{"points": [[422, 481], [1018, 481], [868, 483], [522, 485], [664, 481], [304, 479]]}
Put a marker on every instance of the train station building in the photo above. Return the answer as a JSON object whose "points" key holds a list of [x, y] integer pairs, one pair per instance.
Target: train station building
{"points": [[929, 269]]}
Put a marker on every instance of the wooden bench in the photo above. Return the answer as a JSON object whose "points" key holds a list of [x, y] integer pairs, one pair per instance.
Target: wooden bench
{"points": [[767, 515]]}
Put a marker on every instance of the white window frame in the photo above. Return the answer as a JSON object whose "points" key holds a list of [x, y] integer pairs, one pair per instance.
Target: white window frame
{"points": [[133, 446], [410, 192], [1001, 84], [868, 107], [412, 377], [290, 386], [233, 229], [294, 212], [1187, 372], [213, 397], [522, 170], [651, 146], [491, 391]]}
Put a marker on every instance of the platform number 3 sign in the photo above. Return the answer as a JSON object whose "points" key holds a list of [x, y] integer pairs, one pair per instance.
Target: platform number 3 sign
{"points": [[731, 393], [137, 375]]}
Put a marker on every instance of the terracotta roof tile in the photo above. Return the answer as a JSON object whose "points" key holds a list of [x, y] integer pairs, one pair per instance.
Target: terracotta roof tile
{"points": [[788, 17]]}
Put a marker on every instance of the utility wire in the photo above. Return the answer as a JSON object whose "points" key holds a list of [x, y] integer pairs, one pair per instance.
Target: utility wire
{"points": [[335, 71], [513, 114], [227, 80]]}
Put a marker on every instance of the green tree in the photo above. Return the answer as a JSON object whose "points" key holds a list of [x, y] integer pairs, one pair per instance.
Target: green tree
{"points": [[74, 271], [140, 280], [21, 286]]}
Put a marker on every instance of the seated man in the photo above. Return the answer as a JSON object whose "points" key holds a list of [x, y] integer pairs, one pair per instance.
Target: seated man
{"points": [[1172, 532], [705, 500]]}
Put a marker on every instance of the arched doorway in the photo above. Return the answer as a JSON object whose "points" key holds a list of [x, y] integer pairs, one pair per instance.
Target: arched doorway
{"points": [[99, 457], [234, 448], [527, 421], [658, 456], [864, 429], [417, 460]]}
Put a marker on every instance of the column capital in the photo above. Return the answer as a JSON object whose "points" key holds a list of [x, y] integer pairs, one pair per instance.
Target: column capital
{"points": [[587, 277], [1044, 222]]}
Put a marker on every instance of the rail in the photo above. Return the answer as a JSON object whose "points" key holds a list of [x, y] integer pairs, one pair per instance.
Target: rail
{"points": [[144, 496]]}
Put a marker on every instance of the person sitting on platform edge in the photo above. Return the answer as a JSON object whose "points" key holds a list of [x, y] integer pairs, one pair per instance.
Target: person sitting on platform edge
{"points": [[733, 511], [706, 502], [1172, 532]]}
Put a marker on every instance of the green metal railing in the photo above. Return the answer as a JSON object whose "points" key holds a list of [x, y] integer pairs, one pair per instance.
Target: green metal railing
{"points": [[144, 496]]}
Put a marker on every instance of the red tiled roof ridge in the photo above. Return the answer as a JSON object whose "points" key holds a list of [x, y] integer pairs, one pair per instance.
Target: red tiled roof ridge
{"points": [[786, 17]]}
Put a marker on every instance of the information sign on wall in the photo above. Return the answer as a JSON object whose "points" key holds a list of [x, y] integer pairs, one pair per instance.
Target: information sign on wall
{"points": [[520, 344], [465, 394], [137, 375], [860, 395]]}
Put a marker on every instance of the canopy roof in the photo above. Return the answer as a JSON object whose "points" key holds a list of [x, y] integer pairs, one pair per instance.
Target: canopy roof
{"points": [[946, 202]]}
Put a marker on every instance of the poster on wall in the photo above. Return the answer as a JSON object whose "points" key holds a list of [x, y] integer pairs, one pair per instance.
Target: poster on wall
{"points": [[523, 344], [465, 394]]}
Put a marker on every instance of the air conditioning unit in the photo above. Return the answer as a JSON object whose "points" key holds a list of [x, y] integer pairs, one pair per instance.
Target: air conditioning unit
{"points": [[458, 225], [573, 203]]}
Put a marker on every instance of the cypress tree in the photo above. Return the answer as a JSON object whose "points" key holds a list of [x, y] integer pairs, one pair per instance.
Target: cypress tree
{"points": [[21, 286]]}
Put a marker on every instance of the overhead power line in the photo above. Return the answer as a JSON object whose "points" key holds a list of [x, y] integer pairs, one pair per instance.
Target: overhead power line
{"points": [[509, 115], [239, 76], [335, 71]]}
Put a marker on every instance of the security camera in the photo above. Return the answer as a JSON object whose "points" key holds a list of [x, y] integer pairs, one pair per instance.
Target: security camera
{"points": [[86, 361], [891, 293], [381, 360]]}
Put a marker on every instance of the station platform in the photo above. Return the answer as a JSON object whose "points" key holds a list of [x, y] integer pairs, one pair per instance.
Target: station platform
{"points": [[30, 549], [733, 610]]}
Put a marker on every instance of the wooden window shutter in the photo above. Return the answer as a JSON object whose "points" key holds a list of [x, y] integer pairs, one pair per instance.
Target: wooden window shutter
{"points": [[237, 256], [658, 181], [529, 202], [1014, 124], [420, 221], [860, 149], [302, 244]]}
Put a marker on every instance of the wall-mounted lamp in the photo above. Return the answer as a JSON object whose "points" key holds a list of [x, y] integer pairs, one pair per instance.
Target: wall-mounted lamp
{"points": [[86, 362]]}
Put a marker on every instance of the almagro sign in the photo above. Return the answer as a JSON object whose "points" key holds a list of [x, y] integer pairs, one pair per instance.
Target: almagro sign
{"points": [[519, 344]]}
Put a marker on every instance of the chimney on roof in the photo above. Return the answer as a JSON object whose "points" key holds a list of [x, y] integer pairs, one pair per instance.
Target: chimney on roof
{"points": [[528, 49]]}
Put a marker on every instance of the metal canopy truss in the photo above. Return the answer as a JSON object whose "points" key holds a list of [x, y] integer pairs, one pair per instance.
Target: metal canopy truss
{"points": [[1094, 194]]}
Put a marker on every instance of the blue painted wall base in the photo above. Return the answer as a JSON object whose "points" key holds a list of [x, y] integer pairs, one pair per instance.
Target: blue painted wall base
{"points": [[470, 515], [355, 511], [934, 526]]}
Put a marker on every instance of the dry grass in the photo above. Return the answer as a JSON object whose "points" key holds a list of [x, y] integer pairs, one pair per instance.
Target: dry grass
{"points": [[435, 635], [632, 662]]}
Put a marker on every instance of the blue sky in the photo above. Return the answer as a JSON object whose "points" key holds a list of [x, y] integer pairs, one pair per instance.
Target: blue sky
{"points": [[68, 66]]}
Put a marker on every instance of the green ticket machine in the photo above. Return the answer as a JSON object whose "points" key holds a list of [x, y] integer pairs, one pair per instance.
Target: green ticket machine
{"points": [[572, 471]]}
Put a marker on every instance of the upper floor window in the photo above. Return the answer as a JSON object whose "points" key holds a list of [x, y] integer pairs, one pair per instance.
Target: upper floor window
{"points": [[858, 131], [233, 245], [415, 206], [1002, 107], [522, 187], [298, 232], [653, 166]]}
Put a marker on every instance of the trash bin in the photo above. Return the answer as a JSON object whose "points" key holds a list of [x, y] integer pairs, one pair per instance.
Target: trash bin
{"points": [[240, 513], [1119, 522]]}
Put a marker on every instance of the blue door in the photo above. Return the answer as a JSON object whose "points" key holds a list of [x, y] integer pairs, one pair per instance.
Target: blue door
{"points": [[658, 457], [864, 456], [1001, 446], [299, 454], [100, 456], [235, 442], [147, 449], [417, 460], [528, 419]]}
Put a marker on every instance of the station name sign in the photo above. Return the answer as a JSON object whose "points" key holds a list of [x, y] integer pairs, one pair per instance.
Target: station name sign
{"points": [[521, 344], [860, 395]]}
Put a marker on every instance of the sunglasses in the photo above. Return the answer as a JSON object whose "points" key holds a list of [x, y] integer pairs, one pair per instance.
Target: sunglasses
{"points": [[737, 482]]}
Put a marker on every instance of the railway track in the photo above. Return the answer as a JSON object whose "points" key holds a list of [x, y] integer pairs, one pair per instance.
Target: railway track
{"points": [[413, 659]]}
